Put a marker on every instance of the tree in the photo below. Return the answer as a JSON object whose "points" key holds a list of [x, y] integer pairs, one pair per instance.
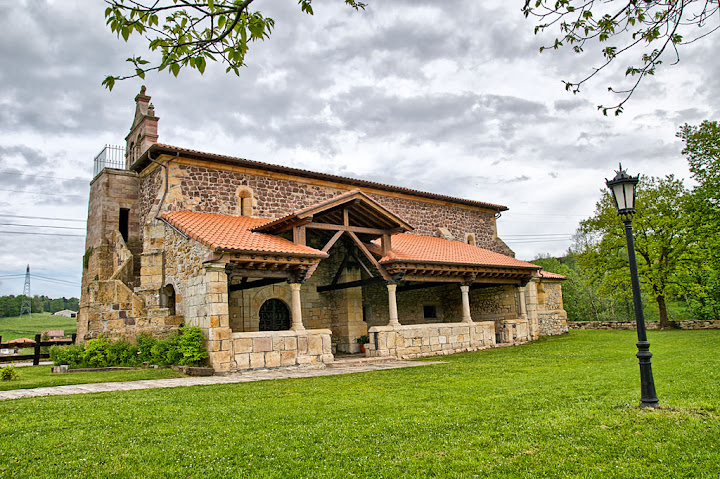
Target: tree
{"points": [[661, 240], [579, 296], [187, 33], [652, 30], [702, 148]]}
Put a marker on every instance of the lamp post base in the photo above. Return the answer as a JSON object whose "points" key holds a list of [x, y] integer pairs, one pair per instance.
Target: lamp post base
{"points": [[648, 396]]}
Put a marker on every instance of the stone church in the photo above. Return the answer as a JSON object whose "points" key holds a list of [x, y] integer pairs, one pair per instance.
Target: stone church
{"points": [[281, 266]]}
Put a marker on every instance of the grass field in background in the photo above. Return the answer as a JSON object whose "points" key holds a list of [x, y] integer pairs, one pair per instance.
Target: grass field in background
{"points": [[560, 407], [26, 327]]}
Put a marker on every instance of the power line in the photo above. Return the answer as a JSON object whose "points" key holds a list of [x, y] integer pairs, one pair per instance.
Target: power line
{"points": [[42, 193], [41, 218], [537, 235], [53, 280], [43, 226], [41, 176], [43, 234]]}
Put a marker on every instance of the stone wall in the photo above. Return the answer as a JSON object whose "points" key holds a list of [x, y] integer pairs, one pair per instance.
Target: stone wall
{"points": [[553, 322], [512, 331], [419, 340], [273, 349], [213, 190], [627, 325]]}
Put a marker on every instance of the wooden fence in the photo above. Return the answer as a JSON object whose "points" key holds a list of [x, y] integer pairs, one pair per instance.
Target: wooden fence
{"points": [[37, 344]]}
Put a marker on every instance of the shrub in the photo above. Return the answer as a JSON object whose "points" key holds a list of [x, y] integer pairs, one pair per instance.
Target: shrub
{"points": [[191, 346], [70, 355], [145, 345], [97, 353], [187, 348], [8, 373], [122, 353]]}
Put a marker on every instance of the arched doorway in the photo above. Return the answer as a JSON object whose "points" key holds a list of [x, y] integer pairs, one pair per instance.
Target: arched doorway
{"points": [[167, 298], [274, 316]]}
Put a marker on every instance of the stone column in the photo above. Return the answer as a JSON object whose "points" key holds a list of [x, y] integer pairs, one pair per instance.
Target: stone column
{"points": [[393, 305], [465, 292], [295, 309], [523, 306]]}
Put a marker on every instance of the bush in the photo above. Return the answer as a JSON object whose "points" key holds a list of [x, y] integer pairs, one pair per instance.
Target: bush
{"points": [[97, 353], [70, 355], [123, 353], [8, 373], [145, 345], [191, 346], [186, 348]]}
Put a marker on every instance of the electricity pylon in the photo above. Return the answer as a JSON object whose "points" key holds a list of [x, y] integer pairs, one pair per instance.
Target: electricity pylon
{"points": [[27, 297]]}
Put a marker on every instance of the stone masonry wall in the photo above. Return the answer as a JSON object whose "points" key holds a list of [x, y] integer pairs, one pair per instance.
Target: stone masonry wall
{"points": [[273, 349], [212, 190], [552, 318], [414, 341]]}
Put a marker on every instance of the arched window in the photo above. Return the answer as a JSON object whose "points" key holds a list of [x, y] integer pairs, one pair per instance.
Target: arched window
{"points": [[470, 239], [245, 201], [167, 298], [274, 316]]}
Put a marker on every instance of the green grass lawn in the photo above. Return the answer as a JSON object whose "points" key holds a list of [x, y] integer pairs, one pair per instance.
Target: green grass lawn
{"points": [[40, 376], [25, 327], [560, 407]]}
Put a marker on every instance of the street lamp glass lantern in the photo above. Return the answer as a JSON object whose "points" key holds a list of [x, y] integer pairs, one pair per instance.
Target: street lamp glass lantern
{"points": [[623, 191]]}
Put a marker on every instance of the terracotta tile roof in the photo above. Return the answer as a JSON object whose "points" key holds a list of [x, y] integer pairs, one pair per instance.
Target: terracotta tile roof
{"points": [[429, 249], [222, 232], [160, 148], [20, 341], [549, 275]]}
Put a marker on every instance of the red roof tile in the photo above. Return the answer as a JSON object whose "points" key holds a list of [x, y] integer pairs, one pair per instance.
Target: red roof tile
{"points": [[549, 275], [222, 232], [428, 249]]}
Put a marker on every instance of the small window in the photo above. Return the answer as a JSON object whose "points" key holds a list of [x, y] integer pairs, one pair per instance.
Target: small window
{"points": [[245, 201], [470, 239], [124, 222], [430, 312]]}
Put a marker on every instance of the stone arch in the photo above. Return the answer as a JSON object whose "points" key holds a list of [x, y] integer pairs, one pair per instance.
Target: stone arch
{"points": [[131, 154], [470, 239], [276, 291], [167, 298], [245, 201], [274, 315]]}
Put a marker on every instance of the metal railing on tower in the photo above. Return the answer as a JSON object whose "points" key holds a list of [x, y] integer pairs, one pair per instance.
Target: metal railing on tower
{"points": [[111, 156]]}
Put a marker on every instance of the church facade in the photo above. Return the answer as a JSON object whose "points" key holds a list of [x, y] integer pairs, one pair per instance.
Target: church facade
{"points": [[283, 267]]}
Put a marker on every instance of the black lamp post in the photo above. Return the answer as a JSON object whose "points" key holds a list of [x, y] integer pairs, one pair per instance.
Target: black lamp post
{"points": [[623, 191]]}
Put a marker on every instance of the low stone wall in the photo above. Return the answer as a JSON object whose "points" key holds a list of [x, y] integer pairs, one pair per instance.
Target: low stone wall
{"points": [[419, 340], [512, 331], [622, 325], [552, 322], [274, 349]]}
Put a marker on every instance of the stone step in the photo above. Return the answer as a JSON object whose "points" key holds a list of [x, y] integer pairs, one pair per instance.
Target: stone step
{"points": [[359, 361]]}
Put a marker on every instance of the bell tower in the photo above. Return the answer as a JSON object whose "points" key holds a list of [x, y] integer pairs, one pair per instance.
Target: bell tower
{"points": [[144, 129]]}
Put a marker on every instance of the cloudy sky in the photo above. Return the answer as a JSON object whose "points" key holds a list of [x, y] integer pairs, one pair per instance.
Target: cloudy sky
{"points": [[450, 97]]}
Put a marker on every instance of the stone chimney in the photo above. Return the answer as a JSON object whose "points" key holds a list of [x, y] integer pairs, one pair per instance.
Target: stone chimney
{"points": [[143, 131]]}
